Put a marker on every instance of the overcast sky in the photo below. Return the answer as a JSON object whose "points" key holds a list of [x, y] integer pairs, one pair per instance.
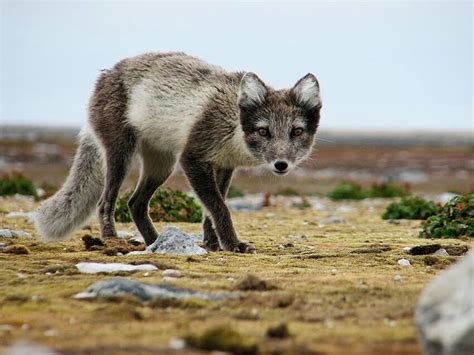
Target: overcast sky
{"points": [[381, 65]]}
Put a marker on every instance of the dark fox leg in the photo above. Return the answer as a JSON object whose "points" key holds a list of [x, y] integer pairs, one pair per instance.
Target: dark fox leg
{"points": [[118, 159], [211, 241], [156, 168], [202, 178]]}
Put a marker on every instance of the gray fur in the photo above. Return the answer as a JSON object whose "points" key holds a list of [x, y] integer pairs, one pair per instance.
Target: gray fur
{"points": [[167, 107], [73, 204]]}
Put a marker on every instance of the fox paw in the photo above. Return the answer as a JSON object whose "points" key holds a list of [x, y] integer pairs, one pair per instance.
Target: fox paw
{"points": [[244, 248], [210, 246]]}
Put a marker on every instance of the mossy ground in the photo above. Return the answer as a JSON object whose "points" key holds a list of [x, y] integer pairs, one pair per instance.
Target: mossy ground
{"points": [[358, 308]]}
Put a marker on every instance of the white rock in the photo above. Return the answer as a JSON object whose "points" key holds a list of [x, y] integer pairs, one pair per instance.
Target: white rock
{"points": [[177, 344], [125, 234], [174, 241], [333, 271], [445, 311], [406, 249], [404, 262], [171, 273], [9, 233], [93, 268], [26, 348], [398, 278], [441, 252], [30, 216]]}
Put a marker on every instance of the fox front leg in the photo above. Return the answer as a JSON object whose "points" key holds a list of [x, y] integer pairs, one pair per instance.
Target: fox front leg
{"points": [[202, 177]]}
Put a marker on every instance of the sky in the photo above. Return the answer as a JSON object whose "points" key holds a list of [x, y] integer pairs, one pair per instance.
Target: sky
{"points": [[382, 65]]}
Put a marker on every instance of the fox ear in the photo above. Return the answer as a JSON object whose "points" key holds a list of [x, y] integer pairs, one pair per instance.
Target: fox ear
{"points": [[252, 91], [306, 92]]}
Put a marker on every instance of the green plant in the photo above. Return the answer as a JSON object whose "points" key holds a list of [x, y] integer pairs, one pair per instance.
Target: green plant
{"points": [[234, 192], [387, 190], [410, 208], [347, 191], [455, 219], [289, 191], [166, 205], [16, 183]]}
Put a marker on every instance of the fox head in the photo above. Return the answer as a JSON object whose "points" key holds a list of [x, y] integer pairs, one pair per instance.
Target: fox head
{"points": [[279, 125]]}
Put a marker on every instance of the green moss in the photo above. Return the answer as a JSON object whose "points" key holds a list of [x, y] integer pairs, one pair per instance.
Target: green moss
{"points": [[234, 192], [410, 208], [387, 190], [166, 205], [11, 184], [223, 338], [455, 219], [347, 191]]}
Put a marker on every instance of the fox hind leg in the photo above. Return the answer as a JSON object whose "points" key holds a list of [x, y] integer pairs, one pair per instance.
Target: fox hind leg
{"points": [[211, 241], [156, 168]]}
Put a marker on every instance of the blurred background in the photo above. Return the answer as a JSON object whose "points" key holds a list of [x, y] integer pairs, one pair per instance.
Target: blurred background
{"points": [[396, 79]]}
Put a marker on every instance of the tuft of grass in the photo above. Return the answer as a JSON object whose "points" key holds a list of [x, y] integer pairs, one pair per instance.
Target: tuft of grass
{"points": [[387, 190], [234, 192], [251, 282], [16, 183], [166, 205], [223, 338], [455, 219], [347, 191], [410, 208]]}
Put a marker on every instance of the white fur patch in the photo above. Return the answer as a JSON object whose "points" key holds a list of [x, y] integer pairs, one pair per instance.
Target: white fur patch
{"points": [[307, 91], [252, 90]]}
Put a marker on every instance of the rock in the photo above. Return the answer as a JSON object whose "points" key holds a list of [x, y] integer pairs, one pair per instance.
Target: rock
{"points": [[333, 272], [171, 273], [345, 209], [441, 252], [404, 262], [445, 197], [18, 249], [27, 348], [445, 311], [119, 287], [94, 268], [9, 233], [29, 216], [125, 235], [247, 203], [173, 241], [3, 246]]}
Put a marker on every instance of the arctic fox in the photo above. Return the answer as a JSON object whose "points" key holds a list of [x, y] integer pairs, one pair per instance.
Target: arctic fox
{"points": [[167, 107]]}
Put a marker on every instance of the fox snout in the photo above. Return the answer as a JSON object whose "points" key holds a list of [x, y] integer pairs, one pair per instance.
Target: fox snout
{"points": [[281, 167]]}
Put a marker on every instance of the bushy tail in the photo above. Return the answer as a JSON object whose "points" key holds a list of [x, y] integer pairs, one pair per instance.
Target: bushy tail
{"points": [[72, 205]]}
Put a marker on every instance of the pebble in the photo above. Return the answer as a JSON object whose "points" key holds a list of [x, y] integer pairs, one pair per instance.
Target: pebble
{"points": [[333, 271], [30, 216], [177, 344], [332, 220], [404, 262], [9, 233], [441, 252], [93, 268], [171, 273]]}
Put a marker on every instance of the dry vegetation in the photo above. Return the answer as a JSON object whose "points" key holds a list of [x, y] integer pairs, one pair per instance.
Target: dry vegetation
{"points": [[332, 286]]}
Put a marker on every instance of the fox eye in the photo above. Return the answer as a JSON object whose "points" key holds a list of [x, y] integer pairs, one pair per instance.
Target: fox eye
{"points": [[297, 131], [263, 132]]}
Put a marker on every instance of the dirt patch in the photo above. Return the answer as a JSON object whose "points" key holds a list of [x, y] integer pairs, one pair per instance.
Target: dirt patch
{"points": [[373, 249], [251, 282], [92, 243], [18, 249], [279, 331]]}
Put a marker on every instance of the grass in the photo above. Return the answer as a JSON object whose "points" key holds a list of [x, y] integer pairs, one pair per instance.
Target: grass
{"points": [[166, 205], [16, 183], [332, 299], [352, 191]]}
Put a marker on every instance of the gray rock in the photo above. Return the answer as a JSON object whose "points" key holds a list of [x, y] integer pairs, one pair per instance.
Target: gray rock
{"points": [[27, 348], [404, 262], [9, 233], [119, 287], [174, 241], [332, 220], [247, 203], [441, 252], [445, 311]]}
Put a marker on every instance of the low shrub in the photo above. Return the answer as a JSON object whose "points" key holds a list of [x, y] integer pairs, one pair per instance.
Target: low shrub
{"points": [[11, 184], [347, 191], [387, 190], [166, 205], [410, 208], [455, 219]]}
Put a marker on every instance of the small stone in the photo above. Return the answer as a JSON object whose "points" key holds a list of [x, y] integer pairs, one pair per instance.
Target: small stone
{"points": [[25, 327], [125, 234], [333, 271], [406, 249], [332, 220], [50, 333], [177, 344], [29, 216], [173, 241], [398, 278], [17, 249], [404, 262], [171, 273], [441, 252], [93, 268], [9, 233]]}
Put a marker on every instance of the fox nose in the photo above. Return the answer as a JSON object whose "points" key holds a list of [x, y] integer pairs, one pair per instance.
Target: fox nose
{"points": [[281, 165]]}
